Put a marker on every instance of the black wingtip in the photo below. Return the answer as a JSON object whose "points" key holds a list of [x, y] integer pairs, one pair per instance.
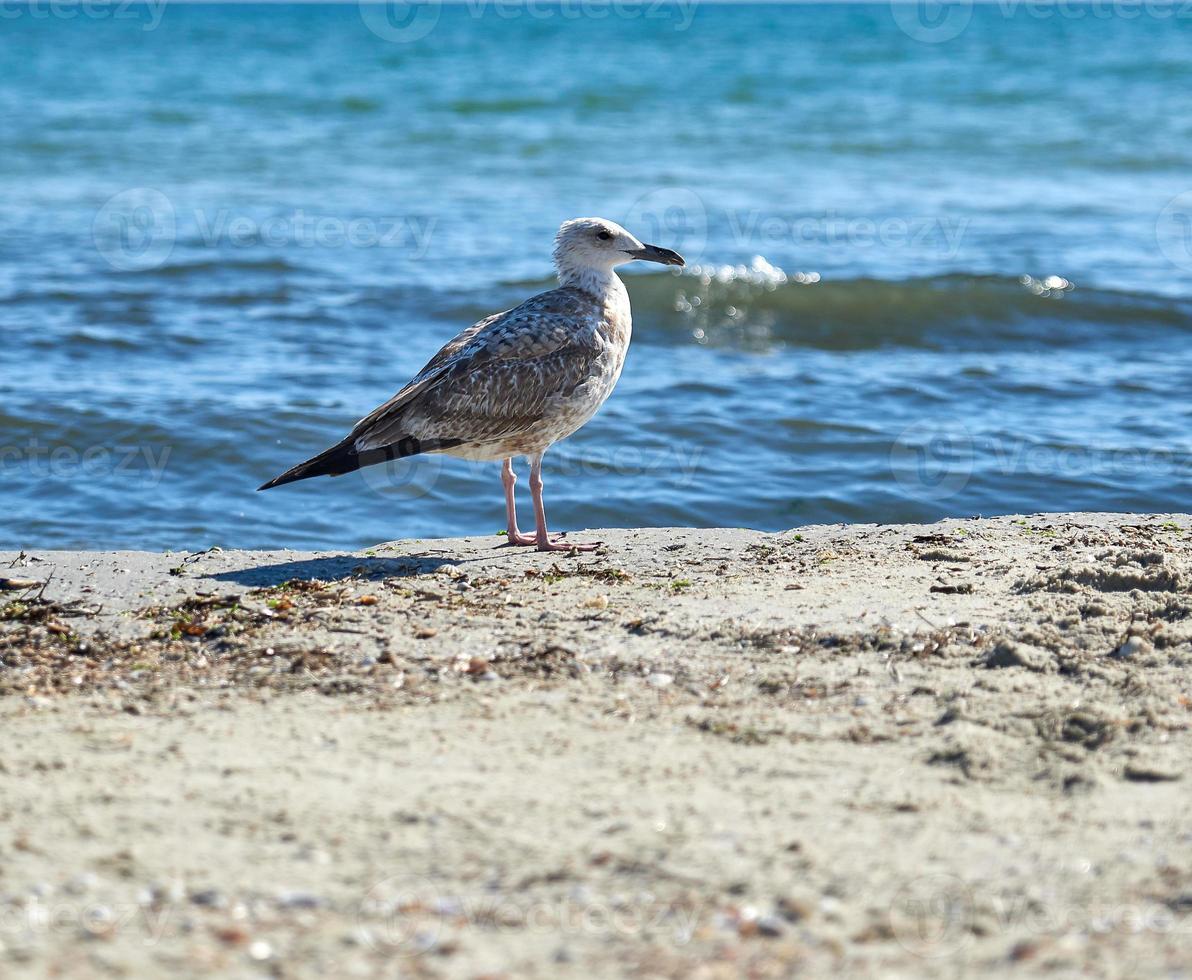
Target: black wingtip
{"points": [[344, 458], [287, 477], [300, 472]]}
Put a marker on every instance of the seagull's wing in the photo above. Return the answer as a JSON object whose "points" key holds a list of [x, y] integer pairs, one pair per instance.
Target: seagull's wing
{"points": [[496, 379], [429, 374]]}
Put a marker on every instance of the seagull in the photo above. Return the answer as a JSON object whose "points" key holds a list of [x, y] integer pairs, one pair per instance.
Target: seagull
{"points": [[516, 382]]}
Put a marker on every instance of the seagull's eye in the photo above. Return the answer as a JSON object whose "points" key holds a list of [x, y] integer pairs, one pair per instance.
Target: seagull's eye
{"points": [[604, 236]]}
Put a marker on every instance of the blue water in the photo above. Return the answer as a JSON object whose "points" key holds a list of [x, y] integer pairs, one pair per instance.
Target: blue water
{"points": [[929, 274]]}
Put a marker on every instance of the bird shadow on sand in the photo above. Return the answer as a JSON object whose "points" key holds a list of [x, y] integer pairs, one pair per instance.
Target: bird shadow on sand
{"points": [[333, 568]]}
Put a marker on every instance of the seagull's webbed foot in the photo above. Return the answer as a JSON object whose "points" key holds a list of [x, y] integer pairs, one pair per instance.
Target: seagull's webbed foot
{"points": [[559, 544], [515, 539]]}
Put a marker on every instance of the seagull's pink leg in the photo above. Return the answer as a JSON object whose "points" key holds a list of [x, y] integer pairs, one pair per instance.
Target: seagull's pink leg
{"points": [[513, 535], [543, 538]]}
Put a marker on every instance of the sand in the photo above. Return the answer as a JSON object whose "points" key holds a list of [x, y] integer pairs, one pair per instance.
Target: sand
{"points": [[935, 750]]}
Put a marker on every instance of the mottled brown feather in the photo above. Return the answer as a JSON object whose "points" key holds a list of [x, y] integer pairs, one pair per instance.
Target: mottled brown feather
{"points": [[505, 376]]}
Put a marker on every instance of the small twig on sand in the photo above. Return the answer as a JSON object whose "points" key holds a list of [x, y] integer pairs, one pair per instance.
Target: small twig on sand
{"points": [[926, 620], [40, 597]]}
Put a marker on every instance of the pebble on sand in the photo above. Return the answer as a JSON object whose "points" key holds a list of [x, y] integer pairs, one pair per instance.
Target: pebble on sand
{"points": [[1133, 646]]}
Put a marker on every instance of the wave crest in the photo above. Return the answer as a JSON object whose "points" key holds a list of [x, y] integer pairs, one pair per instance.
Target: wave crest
{"points": [[760, 304]]}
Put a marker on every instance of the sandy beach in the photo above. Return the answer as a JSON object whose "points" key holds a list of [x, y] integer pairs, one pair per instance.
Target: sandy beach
{"points": [[948, 749]]}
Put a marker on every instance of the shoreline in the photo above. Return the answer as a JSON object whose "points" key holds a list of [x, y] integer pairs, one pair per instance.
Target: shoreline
{"points": [[906, 748]]}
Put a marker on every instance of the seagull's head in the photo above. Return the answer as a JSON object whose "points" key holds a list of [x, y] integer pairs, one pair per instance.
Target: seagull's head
{"points": [[585, 245]]}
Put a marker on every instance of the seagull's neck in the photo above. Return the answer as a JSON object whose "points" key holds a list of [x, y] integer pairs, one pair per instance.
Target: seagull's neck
{"points": [[604, 284]]}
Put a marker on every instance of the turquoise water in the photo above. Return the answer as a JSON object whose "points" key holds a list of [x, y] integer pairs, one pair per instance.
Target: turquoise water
{"points": [[937, 266]]}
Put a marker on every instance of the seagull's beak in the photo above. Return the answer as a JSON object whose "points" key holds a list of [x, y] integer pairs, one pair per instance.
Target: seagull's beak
{"points": [[652, 253]]}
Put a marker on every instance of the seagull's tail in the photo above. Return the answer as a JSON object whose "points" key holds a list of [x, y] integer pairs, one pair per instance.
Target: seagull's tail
{"points": [[345, 458]]}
